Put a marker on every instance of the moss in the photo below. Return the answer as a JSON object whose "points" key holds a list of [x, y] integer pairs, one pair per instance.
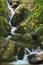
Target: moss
{"points": [[4, 17], [36, 16], [4, 11], [32, 12], [6, 49], [4, 27], [19, 17]]}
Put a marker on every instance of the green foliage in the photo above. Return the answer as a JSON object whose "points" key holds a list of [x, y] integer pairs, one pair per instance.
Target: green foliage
{"points": [[4, 27], [36, 17], [4, 11], [4, 17], [28, 19]]}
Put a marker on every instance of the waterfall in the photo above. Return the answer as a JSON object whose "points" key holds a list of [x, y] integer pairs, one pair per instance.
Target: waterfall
{"points": [[12, 12], [13, 29], [25, 55], [25, 59]]}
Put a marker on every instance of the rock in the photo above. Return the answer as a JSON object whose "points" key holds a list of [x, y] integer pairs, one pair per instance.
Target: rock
{"points": [[20, 53], [19, 17], [10, 3], [14, 3], [20, 30], [35, 58], [6, 49]]}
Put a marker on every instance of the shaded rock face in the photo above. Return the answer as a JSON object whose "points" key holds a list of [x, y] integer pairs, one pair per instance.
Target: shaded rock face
{"points": [[19, 17], [35, 59], [14, 3], [20, 53], [35, 38], [20, 30]]}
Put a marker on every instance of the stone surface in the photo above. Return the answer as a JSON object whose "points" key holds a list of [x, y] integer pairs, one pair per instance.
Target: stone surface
{"points": [[35, 58]]}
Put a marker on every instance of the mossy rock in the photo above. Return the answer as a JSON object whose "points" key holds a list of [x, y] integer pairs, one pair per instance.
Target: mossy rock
{"points": [[9, 48], [4, 17], [20, 30], [39, 31], [19, 17], [14, 3], [6, 49]]}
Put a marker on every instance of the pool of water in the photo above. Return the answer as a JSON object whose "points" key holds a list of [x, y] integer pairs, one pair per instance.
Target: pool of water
{"points": [[14, 63]]}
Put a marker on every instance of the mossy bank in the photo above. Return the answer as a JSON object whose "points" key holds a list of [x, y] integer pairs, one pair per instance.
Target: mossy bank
{"points": [[4, 18]]}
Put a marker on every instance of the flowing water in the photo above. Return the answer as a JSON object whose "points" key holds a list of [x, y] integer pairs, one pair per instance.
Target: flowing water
{"points": [[4, 63], [13, 29], [25, 60]]}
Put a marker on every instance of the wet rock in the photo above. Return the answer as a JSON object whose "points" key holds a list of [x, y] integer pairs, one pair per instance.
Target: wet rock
{"points": [[35, 58], [20, 53], [16, 4], [10, 3]]}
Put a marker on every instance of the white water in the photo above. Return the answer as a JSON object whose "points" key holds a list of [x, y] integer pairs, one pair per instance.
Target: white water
{"points": [[12, 12], [9, 36], [25, 59], [13, 29]]}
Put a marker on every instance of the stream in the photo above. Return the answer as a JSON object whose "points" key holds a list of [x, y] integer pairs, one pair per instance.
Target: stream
{"points": [[11, 16], [12, 12], [25, 60]]}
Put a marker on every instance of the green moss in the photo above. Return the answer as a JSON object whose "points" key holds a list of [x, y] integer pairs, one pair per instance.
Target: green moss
{"points": [[19, 17], [6, 49], [4, 11], [32, 14], [4, 27], [4, 17], [36, 16]]}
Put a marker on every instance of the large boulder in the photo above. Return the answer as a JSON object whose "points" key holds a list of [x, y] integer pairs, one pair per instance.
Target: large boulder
{"points": [[19, 17], [6, 49], [35, 58]]}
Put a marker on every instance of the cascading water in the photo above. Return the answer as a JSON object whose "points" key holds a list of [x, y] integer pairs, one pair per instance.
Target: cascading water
{"points": [[11, 16], [25, 58], [16, 57], [13, 29], [25, 55], [12, 12]]}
